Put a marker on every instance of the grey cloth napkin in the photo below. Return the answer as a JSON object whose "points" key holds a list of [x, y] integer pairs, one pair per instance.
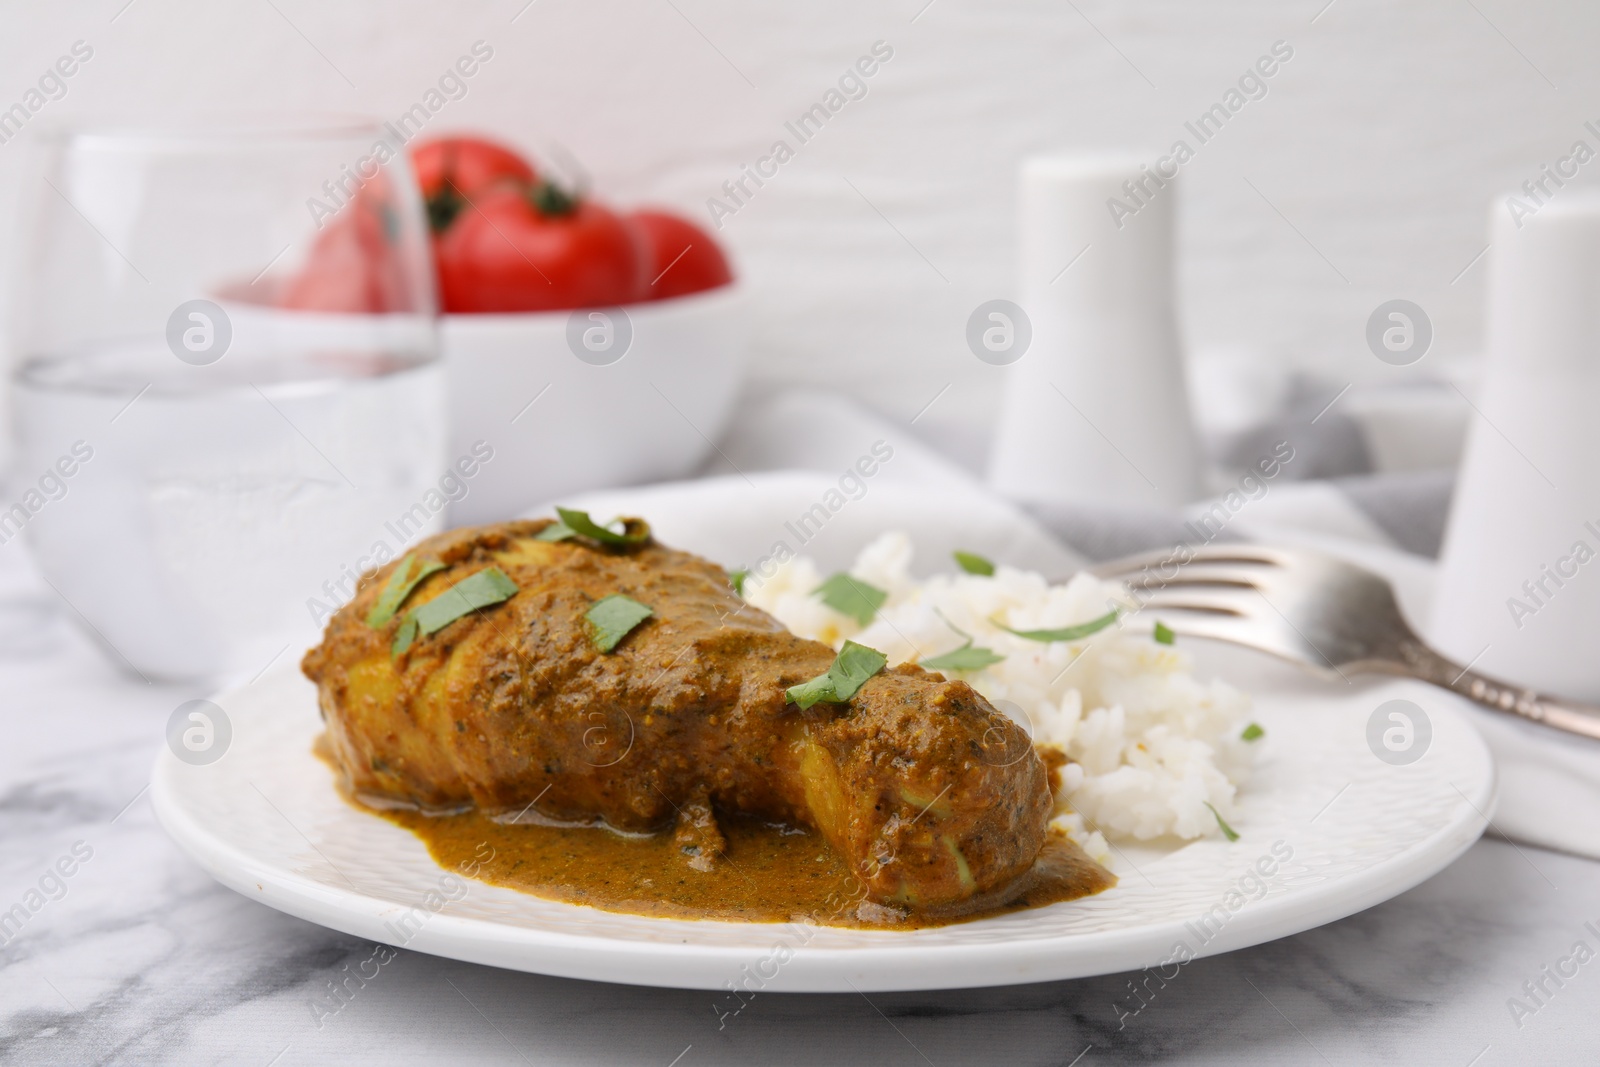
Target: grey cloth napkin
{"points": [[1331, 485], [1407, 508]]}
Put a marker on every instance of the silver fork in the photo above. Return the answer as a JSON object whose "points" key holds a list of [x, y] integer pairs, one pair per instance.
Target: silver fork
{"points": [[1320, 612]]}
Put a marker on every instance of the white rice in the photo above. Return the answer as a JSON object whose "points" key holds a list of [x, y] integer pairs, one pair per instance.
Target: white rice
{"points": [[1150, 745]]}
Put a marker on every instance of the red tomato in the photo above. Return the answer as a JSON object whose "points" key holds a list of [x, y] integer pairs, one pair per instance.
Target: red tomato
{"points": [[539, 250], [682, 258], [455, 168], [353, 266]]}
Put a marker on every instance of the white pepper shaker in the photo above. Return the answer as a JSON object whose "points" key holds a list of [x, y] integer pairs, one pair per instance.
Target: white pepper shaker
{"points": [[1519, 582], [1096, 409]]}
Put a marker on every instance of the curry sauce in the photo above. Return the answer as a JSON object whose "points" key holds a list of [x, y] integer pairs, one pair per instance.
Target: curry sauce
{"points": [[768, 872]]}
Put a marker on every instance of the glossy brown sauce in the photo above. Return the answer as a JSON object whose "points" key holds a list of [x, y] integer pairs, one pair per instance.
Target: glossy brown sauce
{"points": [[768, 873]]}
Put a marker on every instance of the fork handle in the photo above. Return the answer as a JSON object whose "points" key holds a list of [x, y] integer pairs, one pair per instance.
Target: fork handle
{"points": [[1424, 663]]}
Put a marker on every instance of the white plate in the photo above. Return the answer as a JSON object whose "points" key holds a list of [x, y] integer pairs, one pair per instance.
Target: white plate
{"points": [[265, 820]]}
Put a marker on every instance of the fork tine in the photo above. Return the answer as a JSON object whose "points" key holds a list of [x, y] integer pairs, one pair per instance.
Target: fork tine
{"points": [[1165, 559], [1211, 601], [1246, 633], [1241, 551], [1218, 574], [1214, 627]]}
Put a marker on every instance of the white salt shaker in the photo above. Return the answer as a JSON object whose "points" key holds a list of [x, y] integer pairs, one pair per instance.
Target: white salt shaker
{"points": [[1519, 584], [1096, 409]]}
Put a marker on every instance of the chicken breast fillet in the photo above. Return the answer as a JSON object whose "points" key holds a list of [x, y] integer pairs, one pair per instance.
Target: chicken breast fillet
{"points": [[931, 796]]}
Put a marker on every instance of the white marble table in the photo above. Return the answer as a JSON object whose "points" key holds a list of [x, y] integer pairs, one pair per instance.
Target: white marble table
{"points": [[143, 959]]}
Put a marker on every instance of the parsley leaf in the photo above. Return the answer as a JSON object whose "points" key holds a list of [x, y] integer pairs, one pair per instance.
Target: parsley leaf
{"points": [[479, 590], [614, 618], [556, 531], [401, 582], [965, 658], [851, 596], [404, 636], [1252, 732], [1227, 831], [973, 563], [736, 579], [1164, 635], [946, 620], [1067, 633], [849, 672], [578, 524]]}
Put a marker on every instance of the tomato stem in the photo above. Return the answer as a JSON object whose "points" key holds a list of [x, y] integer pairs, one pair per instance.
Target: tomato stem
{"points": [[550, 200], [444, 206]]}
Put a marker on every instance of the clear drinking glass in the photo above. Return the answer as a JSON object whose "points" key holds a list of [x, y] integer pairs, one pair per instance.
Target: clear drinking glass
{"points": [[226, 396]]}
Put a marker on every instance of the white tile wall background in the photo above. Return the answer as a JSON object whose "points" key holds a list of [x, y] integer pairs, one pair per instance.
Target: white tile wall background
{"points": [[1364, 173]]}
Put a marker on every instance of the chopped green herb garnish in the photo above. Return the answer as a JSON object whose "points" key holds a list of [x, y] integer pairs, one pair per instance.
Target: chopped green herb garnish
{"points": [[946, 620], [1227, 831], [1067, 633], [404, 636], [614, 618], [963, 868], [1164, 634], [965, 658], [973, 563], [851, 596], [402, 580], [736, 579], [575, 523], [1252, 732], [849, 671], [479, 590]]}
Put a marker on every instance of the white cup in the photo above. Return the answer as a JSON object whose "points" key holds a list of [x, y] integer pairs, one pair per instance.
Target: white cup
{"points": [[1096, 410], [1519, 589]]}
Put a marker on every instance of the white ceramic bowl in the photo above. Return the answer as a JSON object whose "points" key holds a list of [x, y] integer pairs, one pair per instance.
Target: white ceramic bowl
{"points": [[564, 413]]}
